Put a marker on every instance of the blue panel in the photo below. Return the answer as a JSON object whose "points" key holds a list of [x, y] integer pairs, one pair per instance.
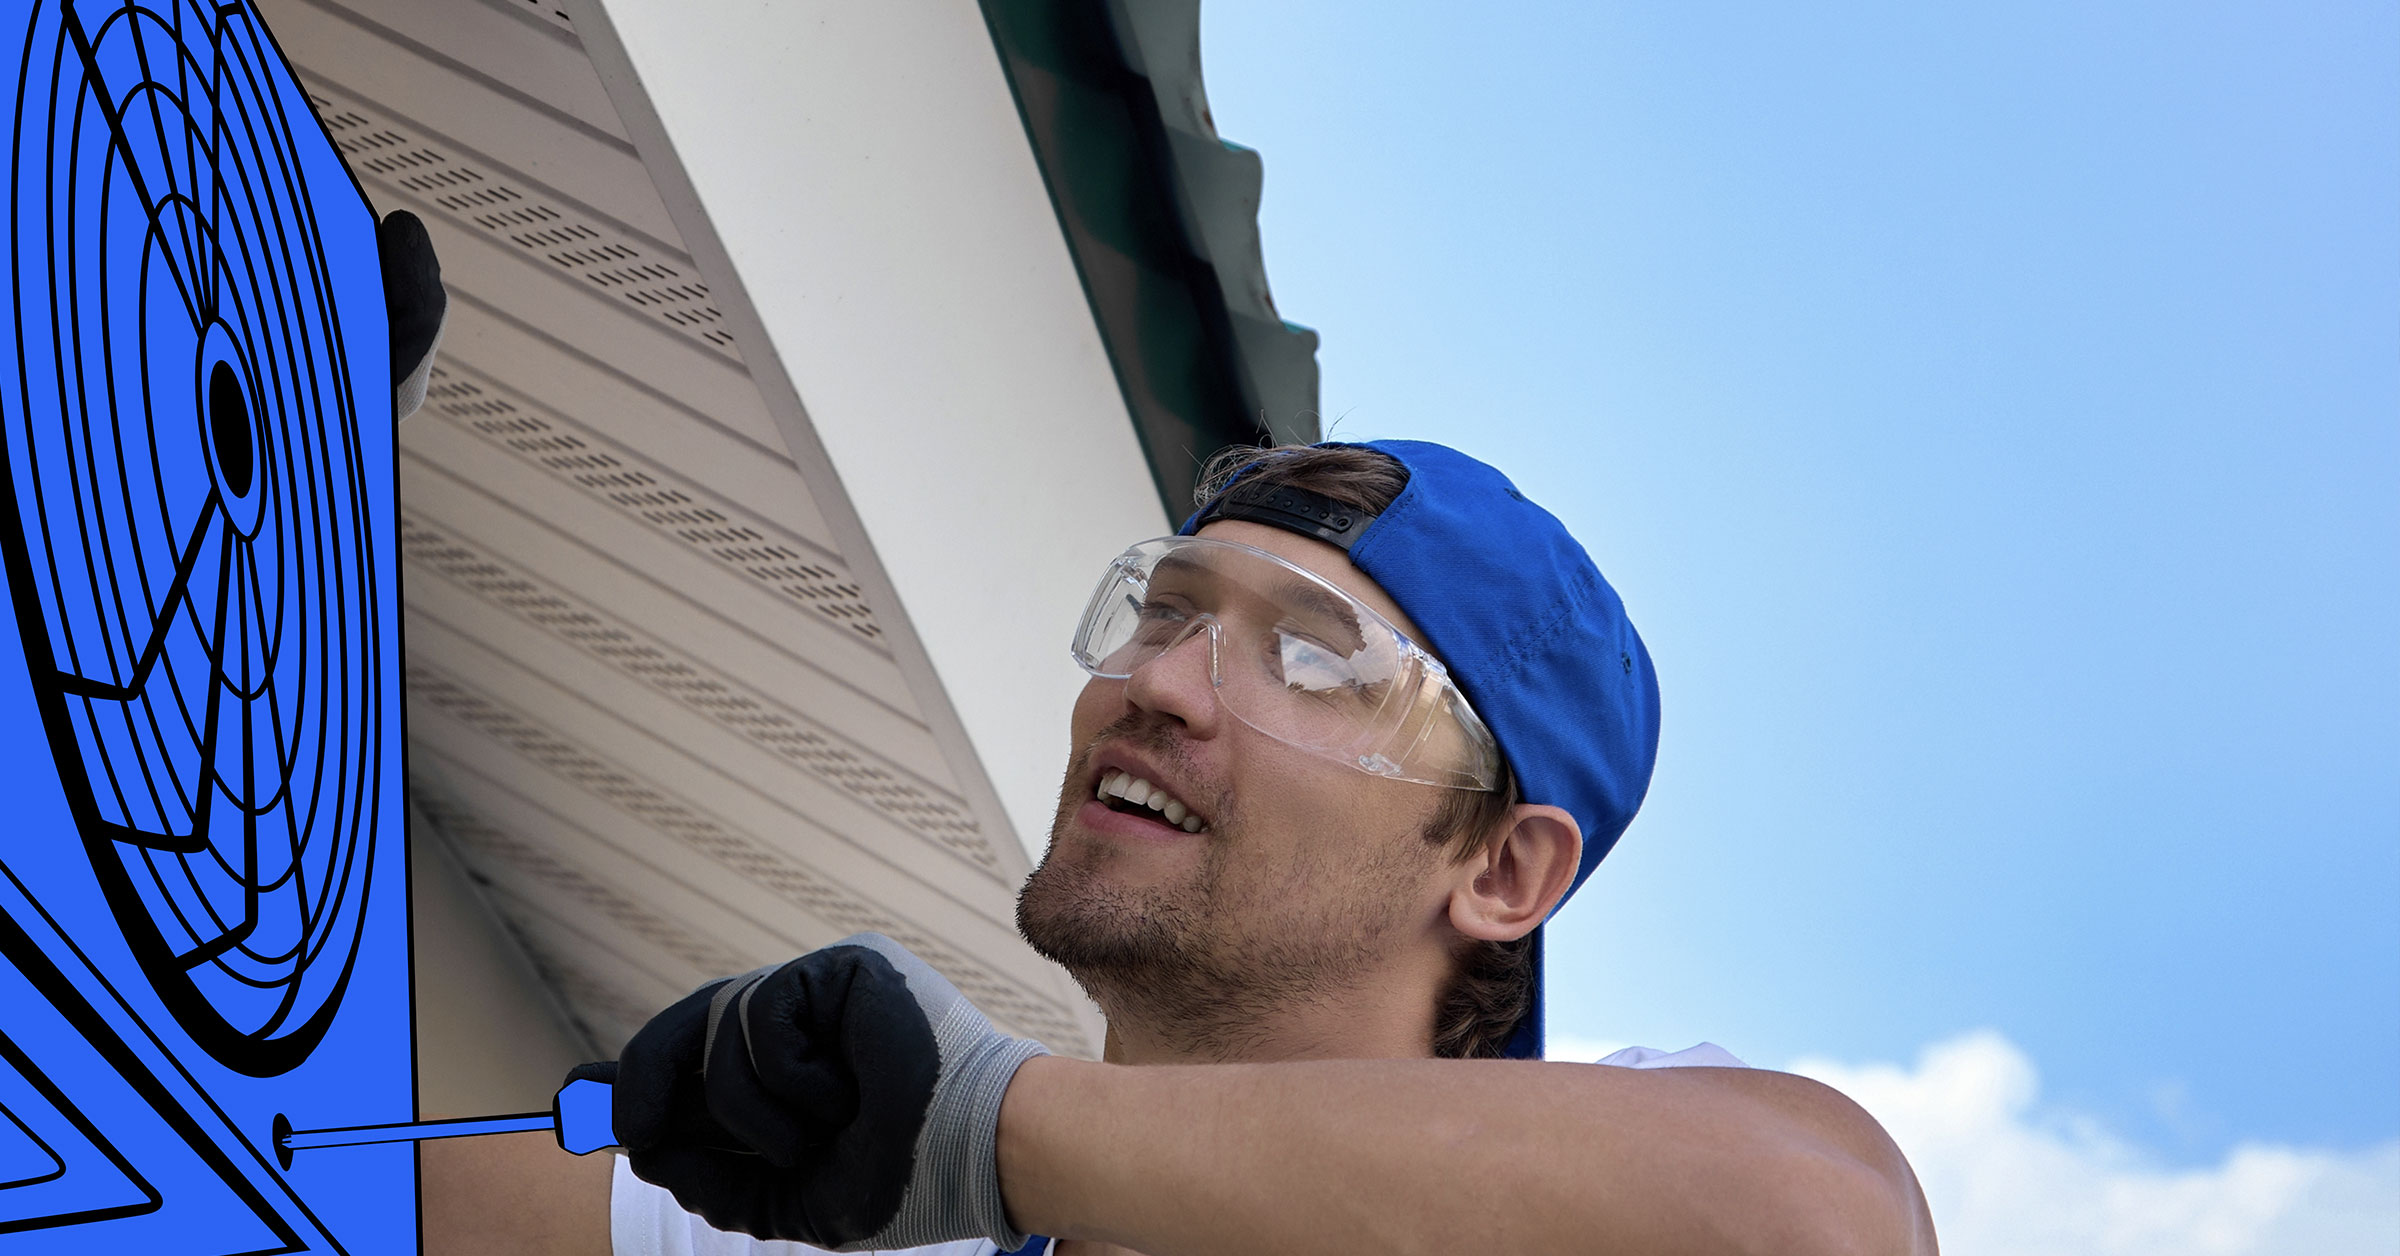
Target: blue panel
{"points": [[203, 870]]}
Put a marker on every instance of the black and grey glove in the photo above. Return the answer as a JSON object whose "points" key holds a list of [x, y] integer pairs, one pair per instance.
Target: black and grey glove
{"points": [[849, 1099], [414, 305]]}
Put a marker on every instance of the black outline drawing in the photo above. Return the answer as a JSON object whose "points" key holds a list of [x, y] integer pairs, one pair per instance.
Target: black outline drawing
{"points": [[205, 647], [10, 1219], [18, 950], [57, 1166]]}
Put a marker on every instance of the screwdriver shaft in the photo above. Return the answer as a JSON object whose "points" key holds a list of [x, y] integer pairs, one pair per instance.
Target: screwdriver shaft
{"points": [[411, 1131]]}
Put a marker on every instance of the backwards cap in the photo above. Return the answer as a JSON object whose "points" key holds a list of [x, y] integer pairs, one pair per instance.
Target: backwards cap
{"points": [[1530, 631]]}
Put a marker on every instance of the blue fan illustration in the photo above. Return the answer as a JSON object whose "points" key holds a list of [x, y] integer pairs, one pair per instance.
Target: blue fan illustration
{"points": [[185, 384]]}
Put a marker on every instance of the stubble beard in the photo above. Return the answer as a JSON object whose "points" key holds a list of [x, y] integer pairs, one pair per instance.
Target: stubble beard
{"points": [[1205, 963]]}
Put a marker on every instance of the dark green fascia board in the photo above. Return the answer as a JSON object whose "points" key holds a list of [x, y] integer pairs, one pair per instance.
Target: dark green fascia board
{"points": [[1161, 217]]}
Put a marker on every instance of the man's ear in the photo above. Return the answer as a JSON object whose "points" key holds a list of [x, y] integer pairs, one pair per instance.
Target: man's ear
{"points": [[1511, 887]]}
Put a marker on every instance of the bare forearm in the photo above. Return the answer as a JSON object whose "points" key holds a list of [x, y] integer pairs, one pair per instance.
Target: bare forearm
{"points": [[513, 1194], [1391, 1156]]}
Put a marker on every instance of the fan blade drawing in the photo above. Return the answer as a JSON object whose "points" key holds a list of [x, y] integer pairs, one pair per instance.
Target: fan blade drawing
{"points": [[196, 530]]}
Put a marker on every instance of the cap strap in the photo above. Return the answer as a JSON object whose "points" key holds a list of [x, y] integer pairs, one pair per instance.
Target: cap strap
{"points": [[1293, 510]]}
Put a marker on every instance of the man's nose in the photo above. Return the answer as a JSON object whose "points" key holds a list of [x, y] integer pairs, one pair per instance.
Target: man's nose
{"points": [[1180, 681]]}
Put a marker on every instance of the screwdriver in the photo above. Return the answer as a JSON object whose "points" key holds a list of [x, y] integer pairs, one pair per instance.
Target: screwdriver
{"points": [[578, 1116]]}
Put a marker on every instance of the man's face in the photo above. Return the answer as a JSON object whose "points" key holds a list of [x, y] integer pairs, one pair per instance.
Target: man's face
{"points": [[1307, 877]]}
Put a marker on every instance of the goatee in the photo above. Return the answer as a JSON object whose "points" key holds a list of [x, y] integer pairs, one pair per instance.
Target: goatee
{"points": [[1203, 962]]}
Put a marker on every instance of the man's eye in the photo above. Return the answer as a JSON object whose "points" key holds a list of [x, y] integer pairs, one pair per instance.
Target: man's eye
{"points": [[1309, 667], [1156, 620], [1327, 675]]}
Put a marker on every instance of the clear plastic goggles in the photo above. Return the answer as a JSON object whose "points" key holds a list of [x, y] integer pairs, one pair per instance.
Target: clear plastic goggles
{"points": [[1291, 655]]}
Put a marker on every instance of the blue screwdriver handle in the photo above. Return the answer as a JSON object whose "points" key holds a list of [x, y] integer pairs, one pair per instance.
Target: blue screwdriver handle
{"points": [[581, 1114]]}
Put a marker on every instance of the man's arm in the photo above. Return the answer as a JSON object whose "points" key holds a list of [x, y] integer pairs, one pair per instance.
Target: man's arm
{"points": [[512, 1195], [1390, 1156]]}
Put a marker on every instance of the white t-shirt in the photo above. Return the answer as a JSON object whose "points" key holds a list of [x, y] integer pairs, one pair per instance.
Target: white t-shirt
{"points": [[643, 1220]]}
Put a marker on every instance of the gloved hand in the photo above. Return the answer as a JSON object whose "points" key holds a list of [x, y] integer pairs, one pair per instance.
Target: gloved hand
{"points": [[849, 1099], [414, 305]]}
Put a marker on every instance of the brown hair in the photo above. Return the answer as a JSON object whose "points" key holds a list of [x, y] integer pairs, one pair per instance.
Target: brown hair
{"points": [[1491, 987]]}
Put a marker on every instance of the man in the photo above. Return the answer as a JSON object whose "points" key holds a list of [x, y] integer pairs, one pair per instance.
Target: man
{"points": [[1349, 739]]}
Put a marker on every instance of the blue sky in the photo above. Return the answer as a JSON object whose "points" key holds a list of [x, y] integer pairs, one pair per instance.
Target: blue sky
{"points": [[1992, 419]]}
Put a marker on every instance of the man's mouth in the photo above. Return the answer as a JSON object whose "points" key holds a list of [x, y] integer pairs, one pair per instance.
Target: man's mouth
{"points": [[1125, 792]]}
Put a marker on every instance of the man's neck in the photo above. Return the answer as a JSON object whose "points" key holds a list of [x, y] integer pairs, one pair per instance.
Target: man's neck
{"points": [[1386, 1011], [1326, 1030]]}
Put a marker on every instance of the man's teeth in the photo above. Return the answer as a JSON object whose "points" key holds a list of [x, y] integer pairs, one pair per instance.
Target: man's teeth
{"points": [[1141, 793]]}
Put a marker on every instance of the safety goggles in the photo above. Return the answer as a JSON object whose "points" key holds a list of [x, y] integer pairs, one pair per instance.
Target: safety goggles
{"points": [[1291, 655]]}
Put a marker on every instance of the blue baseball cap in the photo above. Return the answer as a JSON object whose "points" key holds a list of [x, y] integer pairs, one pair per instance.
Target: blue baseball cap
{"points": [[1530, 630]]}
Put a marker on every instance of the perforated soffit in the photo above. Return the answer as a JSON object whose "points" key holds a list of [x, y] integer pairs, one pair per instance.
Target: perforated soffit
{"points": [[590, 250], [597, 253]]}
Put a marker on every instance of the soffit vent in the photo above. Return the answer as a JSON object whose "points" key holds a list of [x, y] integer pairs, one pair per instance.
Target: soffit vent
{"points": [[599, 257], [888, 788], [668, 504], [550, 13], [706, 835], [486, 845]]}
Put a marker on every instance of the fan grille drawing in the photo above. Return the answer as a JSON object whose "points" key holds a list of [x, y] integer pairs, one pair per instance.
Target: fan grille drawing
{"points": [[188, 525]]}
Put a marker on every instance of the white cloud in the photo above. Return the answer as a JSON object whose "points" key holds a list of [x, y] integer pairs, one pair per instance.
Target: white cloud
{"points": [[2006, 1180], [1585, 1050]]}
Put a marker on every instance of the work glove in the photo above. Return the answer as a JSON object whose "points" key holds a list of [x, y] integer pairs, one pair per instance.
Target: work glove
{"points": [[414, 305], [849, 1099]]}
